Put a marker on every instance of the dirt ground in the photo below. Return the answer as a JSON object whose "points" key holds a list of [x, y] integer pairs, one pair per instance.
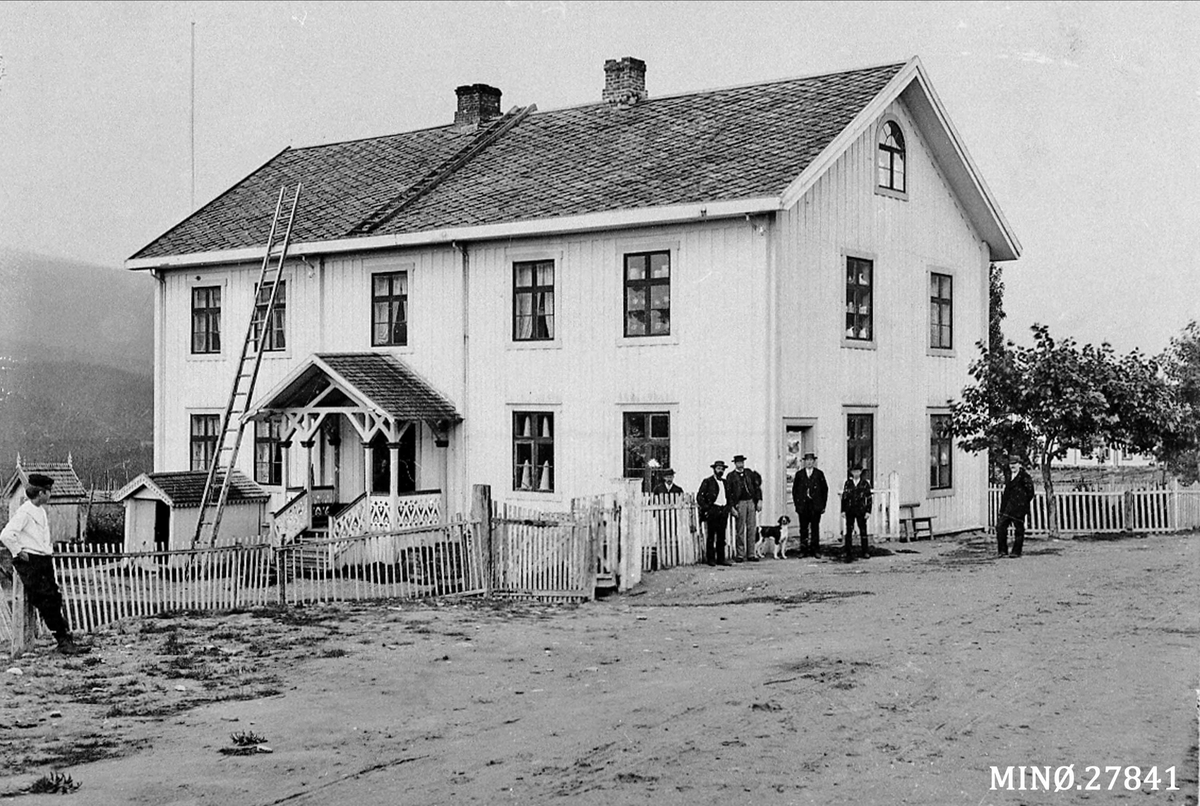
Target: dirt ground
{"points": [[900, 680]]}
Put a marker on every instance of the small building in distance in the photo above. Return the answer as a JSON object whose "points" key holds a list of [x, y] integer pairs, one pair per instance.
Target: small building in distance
{"points": [[67, 510]]}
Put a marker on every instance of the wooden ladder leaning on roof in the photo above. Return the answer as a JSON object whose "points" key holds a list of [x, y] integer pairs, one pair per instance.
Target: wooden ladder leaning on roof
{"points": [[220, 469]]}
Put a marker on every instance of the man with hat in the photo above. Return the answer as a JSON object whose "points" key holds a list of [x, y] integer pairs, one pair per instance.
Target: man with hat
{"points": [[810, 492], [745, 496], [1014, 508], [856, 504], [27, 537], [667, 485], [712, 500]]}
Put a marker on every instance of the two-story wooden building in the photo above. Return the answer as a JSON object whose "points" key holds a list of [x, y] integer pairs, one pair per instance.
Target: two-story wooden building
{"points": [[545, 301]]}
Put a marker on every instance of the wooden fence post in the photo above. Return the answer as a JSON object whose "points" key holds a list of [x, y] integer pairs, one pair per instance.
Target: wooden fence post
{"points": [[629, 559], [24, 619], [481, 515], [1128, 510]]}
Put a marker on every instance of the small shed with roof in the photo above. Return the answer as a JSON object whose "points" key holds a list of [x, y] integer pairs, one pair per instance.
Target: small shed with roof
{"points": [[67, 510], [161, 510]]}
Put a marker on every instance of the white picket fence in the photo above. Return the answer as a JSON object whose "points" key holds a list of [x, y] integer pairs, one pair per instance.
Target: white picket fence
{"points": [[1174, 509]]}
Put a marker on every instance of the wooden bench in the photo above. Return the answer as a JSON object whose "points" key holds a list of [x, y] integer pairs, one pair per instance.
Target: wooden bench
{"points": [[914, 526]]}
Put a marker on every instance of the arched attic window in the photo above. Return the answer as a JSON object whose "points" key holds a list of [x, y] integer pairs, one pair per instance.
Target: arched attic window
{"points": [[891, 157]]}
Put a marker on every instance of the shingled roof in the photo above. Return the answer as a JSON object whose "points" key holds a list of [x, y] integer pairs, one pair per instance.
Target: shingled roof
{"points": [[718, 145], [184, 488], [66, 484], [382, 381]]}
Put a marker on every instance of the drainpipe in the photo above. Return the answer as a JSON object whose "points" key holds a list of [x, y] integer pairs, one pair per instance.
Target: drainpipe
{"points": [[461, 448], [160, 338]]}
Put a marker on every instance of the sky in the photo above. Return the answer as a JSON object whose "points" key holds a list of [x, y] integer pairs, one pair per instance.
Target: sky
{"points": [[1083, 118]]}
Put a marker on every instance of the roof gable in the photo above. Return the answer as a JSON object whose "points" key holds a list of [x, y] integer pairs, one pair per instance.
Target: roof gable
{"points": [[185, 488], [66, 483]]}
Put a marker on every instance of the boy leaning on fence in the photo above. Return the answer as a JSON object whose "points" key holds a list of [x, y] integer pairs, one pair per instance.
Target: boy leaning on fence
{"points": [[27, 537]]}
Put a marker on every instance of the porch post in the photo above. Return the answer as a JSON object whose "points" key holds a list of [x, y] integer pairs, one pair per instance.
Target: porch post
{"points": [[368, 467], [394, 486], [307, 444], [286, 476]]}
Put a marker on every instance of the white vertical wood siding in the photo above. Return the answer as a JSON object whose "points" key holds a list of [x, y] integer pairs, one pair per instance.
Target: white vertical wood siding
{"points": [[899, 381]]}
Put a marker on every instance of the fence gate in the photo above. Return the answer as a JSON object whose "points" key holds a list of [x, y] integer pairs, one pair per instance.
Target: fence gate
{"points": [[543, 555]]}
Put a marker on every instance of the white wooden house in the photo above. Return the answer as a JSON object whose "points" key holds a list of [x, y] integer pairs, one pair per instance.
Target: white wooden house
{"points": [[67, 511], [546, 301]]}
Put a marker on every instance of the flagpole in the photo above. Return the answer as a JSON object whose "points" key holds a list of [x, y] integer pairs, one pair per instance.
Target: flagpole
{"points": [[192, 124]]}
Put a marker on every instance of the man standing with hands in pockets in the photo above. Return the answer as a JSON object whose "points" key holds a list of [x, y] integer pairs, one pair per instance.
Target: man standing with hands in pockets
{"points": [[745, 496]]}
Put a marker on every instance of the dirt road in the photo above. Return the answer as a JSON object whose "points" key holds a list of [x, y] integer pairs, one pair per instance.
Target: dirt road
{"points": [[901, 680]]}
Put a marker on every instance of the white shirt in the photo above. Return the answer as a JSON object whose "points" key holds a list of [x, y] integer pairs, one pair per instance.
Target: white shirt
{"points": [[721, 499], [28, 530]]}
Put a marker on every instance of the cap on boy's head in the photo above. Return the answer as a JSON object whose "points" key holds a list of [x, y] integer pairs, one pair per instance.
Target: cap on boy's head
{"points": [[719, 463], [40, 481], [1016, 460], [856, 468], [810, 455], [668, 472], [739, 458]]}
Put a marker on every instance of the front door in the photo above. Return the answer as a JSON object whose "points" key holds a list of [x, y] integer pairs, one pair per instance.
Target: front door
{"points": [[798, 439], [381, 473]]}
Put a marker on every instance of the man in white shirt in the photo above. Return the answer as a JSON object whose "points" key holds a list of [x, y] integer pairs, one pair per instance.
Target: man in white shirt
{"points": [[713, 503], [27, 537]]}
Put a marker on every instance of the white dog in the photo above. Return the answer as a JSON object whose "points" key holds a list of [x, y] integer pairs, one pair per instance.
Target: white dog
{"points": [[777, 534]]}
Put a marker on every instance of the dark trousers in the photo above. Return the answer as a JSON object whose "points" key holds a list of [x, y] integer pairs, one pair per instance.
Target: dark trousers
{"points": [[1018, 525], [715, 522], [37, 574], [861, 520], [810, 524]]}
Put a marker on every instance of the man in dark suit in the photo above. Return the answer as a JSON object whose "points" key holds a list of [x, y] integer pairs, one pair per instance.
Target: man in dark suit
{"points": [[667, 485], [713, 503], [1014, 508], [856, 504], [745, 498], [810, 492]]}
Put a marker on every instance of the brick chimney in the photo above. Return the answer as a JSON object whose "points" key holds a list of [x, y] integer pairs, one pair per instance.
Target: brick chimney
{"points": [[477, 103], [624, 81]]}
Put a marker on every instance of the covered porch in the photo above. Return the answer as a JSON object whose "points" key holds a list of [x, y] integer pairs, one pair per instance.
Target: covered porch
{"points": [[355, 443]]}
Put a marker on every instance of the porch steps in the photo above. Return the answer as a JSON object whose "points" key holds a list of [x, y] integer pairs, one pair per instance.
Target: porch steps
{"points": [[309, 560]]}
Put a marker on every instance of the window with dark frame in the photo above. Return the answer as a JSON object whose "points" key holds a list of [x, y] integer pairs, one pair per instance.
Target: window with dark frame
{"points": [[647, 446], [273, 339], [389, 309], [533, 451], [533, 300], [859, 312], [891, 157], [860, 443], [941, 453], [206, 319], [203, 439], [268, 451], [648, 294], [941, 311]]}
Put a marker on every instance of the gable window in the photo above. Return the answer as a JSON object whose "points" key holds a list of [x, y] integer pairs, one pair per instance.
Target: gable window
{"points": [[941, 311], [941, 467], [389, 309], [203, 439], [273, 335], [860, 442], [859, 317], [891, 157], [647, 446], [648, 294], [268, 452], [533, 300], [533, 451], [206, 319]]}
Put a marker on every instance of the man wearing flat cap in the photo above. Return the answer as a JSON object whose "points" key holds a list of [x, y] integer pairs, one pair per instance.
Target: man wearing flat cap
{"points": [[713, 502], [745, 497], [810, 493], [27, 537], [667, 485]]}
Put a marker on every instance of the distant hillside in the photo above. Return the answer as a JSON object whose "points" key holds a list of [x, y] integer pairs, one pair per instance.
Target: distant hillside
{"points": [[52, 309], [76, 366]]}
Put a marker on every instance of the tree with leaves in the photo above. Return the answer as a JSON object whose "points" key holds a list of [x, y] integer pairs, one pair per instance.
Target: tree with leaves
{"points": [[1038, 402], [1181, 365]]}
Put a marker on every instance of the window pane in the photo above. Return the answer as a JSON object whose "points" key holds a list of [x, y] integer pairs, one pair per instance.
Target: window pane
{"points": [[545, 273], [660, 296], [660, 265], [635, 267], [660, 323], [380, 286], [524, 274]]}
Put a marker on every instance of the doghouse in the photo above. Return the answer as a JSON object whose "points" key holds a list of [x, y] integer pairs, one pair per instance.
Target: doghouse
{"points": [[68, 502], [161, 511]]}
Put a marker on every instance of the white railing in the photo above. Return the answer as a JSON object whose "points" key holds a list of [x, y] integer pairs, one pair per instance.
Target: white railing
{"points": [[293, 517], [353, 520], [1173, 509]]}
